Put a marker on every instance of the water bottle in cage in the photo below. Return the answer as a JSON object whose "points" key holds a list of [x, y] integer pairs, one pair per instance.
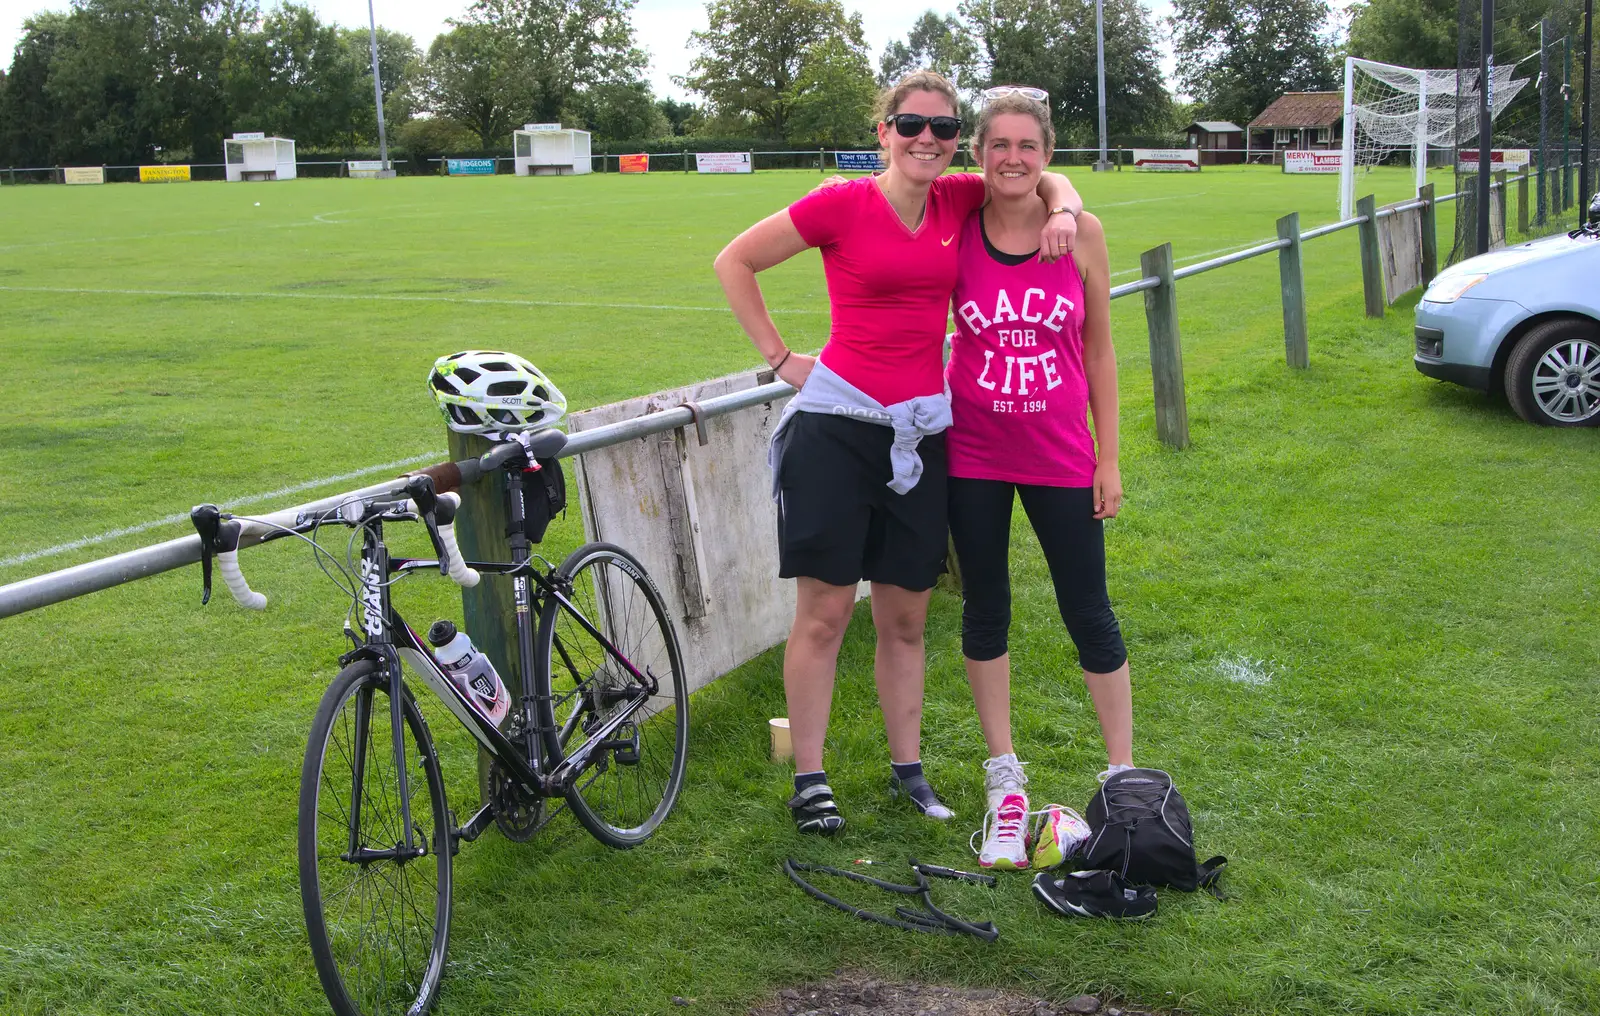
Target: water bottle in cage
{"points": [[470, 671]]}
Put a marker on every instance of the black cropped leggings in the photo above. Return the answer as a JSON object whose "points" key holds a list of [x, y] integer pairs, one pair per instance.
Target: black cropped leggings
{"points": [[1073, 541]]}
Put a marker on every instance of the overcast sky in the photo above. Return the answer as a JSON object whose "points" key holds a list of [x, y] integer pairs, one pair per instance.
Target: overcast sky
{"points": [[663, 25]]}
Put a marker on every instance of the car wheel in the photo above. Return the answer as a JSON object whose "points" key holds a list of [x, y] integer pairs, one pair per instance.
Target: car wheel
{"points": [[1553, 374]]}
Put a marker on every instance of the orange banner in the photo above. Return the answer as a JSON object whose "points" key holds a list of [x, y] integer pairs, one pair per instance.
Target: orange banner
{"points": [[634, 163]]}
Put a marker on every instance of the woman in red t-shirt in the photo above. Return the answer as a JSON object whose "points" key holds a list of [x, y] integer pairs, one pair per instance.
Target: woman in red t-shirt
{"points": [[858, 458]]}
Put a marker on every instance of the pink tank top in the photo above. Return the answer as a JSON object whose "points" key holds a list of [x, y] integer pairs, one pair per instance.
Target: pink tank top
{"points": [[1019, 400]]}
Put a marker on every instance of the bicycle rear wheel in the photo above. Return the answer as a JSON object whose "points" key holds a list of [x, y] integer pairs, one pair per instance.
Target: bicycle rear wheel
{"points": [[378, 917], [634, 776]]}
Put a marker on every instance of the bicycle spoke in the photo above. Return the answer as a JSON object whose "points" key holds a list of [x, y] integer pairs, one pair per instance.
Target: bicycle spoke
{"points": [[377, 917]]}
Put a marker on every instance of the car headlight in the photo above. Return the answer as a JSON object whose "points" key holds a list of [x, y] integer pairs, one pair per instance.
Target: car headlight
{"points": [[1449, 290]]}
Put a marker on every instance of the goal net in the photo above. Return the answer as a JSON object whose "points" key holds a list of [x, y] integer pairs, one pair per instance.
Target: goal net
{"points": [[1398, 114]]}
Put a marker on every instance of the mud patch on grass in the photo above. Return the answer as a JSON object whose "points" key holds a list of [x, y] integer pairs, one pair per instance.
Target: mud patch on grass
{"points": [[854, 994]]}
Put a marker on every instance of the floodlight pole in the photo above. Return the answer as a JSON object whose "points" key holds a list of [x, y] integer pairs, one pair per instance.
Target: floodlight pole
{"points": [[377, 90], [1485, 124], [1100, 64]]}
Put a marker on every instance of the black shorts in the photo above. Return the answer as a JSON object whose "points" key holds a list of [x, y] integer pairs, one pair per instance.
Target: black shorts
{"points": [[839, 522]]}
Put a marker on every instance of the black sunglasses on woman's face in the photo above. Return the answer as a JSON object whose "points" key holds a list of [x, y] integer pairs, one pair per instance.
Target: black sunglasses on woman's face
{"points": [[909, 125]]}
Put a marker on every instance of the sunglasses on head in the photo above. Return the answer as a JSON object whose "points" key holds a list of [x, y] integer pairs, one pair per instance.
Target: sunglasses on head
{"points": [[909, 125], [1026, 91]]}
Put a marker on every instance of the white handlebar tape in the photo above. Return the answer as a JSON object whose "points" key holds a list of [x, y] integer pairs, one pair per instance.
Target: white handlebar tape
{"points": [[228, 564], [464, 576]]}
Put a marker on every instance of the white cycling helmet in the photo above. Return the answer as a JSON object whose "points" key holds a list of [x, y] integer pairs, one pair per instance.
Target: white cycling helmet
{"points": [[484, 391]]}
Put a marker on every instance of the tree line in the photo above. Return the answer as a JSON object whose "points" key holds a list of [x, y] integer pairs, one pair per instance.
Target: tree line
{"points": [[119, 81]]}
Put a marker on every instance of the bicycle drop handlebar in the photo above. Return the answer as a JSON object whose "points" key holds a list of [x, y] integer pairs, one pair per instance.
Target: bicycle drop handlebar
{"points": [[433, 500]]}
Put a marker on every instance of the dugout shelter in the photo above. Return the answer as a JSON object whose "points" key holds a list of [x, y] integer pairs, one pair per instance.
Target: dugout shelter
{"points": [[258, 157], [546, 149]]}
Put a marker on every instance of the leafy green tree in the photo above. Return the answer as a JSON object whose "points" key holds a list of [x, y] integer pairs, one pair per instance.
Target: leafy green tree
{"points": [[475, 78], [831, 101], [30, 119], [142, 75], [433, 135], [1236, 56], [1411, 33], [943, 44], [751, 56], [681, 116], [1051, 44], [399, 67], [299, 78], [618, 112], [564, 46]]}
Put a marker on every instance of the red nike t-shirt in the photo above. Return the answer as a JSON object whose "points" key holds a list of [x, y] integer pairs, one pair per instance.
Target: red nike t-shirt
{"points": [[888, 286]]}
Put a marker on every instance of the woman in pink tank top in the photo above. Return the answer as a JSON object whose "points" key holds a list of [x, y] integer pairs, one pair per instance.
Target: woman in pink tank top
{"points": [[1031, 359]]}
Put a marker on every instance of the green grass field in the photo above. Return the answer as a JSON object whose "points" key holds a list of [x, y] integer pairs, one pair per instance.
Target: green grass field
{"points": [[1360, 611]]}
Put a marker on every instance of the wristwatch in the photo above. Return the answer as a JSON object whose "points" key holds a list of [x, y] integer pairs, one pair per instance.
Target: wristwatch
{"points": [[1063, 208]]}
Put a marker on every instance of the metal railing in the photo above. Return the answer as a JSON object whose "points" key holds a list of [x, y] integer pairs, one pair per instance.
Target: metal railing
{"points": [[67, 583], [1157, 283]]}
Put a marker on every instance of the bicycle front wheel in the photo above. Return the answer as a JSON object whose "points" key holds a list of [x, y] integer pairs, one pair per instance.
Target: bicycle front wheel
{"points": [[635, 773], [377, 912]]}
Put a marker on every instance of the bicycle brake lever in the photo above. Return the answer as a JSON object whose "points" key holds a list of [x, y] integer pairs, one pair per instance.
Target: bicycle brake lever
{"points": [[206, 518], [420, 489]]}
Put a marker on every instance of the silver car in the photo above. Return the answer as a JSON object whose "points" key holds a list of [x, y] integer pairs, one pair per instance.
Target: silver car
{"points": [[1524, 320]]}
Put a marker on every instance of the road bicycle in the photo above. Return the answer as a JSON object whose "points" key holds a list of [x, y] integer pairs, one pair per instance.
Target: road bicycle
{"points": [[603, 722]]}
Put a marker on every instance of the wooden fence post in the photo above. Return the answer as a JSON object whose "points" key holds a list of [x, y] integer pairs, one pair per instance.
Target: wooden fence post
{"points": [[1500, 194], [488, 607], [1166, 353], [1371, 262], [1291, 280], [1430, 235], [1522, 202]]}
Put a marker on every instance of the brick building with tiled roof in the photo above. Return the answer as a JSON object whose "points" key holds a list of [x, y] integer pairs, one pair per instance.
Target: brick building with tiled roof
{"points": [[1298, 120]]}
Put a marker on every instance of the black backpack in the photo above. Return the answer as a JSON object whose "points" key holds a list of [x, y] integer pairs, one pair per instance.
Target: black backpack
{"points": [[1139, 827]]}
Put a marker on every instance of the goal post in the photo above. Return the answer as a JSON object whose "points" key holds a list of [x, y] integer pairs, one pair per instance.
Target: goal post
{"points": [[1388, 109]]}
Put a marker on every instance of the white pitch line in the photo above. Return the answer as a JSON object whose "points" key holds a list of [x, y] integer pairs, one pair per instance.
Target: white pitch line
{"points": [[379, 297], [89, 541], [1146, 201], [1199, 257]]}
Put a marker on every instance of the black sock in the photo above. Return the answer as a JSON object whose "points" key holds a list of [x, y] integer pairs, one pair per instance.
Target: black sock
{"points": [[909, 777], [906, 770], [804, 780]]}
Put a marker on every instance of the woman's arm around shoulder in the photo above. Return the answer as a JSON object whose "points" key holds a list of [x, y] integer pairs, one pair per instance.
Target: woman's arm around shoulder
{"points": [[769, 242], [1059, 235]]}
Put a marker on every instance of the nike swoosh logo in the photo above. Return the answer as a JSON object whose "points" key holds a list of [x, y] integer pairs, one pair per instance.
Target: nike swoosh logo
{"points": [[946, 243]]}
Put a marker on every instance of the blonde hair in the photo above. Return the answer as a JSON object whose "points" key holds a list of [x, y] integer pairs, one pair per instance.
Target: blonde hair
{"points": [[891, 99], [1014, 103]]}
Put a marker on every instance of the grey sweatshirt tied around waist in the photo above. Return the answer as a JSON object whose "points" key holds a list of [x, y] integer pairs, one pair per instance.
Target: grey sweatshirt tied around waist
{"points": [[912, 420]]}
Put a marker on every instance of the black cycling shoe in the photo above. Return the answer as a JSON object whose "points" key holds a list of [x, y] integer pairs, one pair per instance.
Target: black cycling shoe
{"points": [[1094, 894], [814, 810]]}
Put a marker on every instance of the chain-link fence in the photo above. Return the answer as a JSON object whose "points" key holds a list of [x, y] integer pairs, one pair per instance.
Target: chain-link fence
{"points": [[1535, 52]]}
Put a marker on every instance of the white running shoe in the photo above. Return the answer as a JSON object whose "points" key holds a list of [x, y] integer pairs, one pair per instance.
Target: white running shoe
{"points": [[1003, 776], [1005, 834], [1059, 832], [1111, 771]]}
